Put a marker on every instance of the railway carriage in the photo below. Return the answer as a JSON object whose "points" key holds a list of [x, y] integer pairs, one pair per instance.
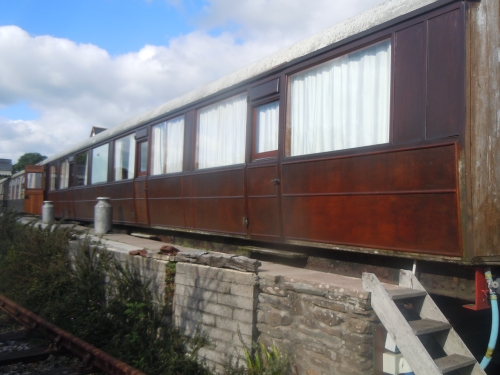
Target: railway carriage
{"points": [[377, 136]]}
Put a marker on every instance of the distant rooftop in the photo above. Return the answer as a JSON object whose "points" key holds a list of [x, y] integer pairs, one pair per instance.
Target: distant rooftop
{"points": [[95, 130], [5, 167]]}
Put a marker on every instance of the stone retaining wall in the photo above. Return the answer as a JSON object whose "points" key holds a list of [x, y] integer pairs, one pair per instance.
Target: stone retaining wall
{"points": [[328, 329], [220, 303]]}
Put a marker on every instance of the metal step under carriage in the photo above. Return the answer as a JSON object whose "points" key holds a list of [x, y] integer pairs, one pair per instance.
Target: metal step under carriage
{"points": [[425, 320]]}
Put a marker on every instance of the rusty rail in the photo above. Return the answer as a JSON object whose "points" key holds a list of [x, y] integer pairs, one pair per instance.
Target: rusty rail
{"points": [[90, 354]]}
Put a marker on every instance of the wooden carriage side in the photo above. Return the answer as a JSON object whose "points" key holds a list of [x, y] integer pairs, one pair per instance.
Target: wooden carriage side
{"points": [[409, 197]]}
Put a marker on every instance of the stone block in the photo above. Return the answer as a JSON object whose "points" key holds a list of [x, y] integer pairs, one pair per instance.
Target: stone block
{"points": [[274, 317], [220, 334], [358, 338], [278, 302], [301, 287], [184, 279], [355, 360], [245, 316], [214, 285], [274, 332], [232, 325], [326, 303], [243, 290], [236, 301], [325, 316], [359, 326]]}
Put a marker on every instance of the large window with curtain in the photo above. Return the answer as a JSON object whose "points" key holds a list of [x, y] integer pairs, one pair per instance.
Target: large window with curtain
{"points": [[168, 146], [221, 133], [100, 164], [124, 163], [342, 103], [64, 174]]}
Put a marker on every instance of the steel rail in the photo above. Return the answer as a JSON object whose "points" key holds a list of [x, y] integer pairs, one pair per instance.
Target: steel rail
{"points": [[90, 354]]}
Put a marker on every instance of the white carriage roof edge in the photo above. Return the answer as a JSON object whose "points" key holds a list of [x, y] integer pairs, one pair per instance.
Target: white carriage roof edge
{"points": [[378, 15]]}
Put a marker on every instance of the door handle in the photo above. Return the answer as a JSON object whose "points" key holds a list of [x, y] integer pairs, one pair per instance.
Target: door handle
{"points": [[276, 181]]}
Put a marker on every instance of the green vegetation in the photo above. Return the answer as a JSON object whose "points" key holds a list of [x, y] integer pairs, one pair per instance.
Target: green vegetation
{"points": [[91, 296], [27, 159], [261, 360]]}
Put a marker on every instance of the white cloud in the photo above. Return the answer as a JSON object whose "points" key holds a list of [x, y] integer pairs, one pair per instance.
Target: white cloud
{"points": [[76, 86]]}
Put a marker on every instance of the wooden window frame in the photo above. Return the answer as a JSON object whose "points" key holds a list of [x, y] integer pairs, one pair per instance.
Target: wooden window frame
{"points": [[267, 154]]}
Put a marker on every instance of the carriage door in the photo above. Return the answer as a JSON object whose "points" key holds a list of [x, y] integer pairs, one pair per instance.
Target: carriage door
{"points": [[141, 183], [263, 175], [33, 193]]}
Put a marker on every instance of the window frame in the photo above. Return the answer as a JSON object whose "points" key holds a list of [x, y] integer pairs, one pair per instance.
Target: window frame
{"points": [[113, 164], [196, 128], [109, 144], [255, 156], [151, 148]]}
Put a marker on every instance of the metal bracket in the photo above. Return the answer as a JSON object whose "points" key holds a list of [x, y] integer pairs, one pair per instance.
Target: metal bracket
{"points": [[481, 292]]}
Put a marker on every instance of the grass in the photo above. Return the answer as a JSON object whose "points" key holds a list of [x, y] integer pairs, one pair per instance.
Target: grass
{"points": [[91, 296]]}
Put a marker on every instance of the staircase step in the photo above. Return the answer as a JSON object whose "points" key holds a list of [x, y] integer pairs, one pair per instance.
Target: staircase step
{"points": [[423, 326], [453, 362], [405, 293]]}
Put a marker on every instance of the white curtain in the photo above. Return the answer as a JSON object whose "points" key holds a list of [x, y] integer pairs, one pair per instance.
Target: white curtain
{"points": [[64, 175], [168, 146], [221, 133], [125, 158], [267, 127], [343, 103]]}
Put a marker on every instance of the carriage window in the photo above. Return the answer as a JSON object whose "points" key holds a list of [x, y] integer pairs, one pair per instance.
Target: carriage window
{"points": [[63, 174], [143, 158], [53, 177], [100, 164], [168, 146], [342, 103], [221, 133], [124, 158], [34, 180], [82, 167], [266, 118]]}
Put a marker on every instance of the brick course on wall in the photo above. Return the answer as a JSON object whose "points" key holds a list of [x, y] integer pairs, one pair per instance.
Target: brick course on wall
{"points": [[220, 303]]}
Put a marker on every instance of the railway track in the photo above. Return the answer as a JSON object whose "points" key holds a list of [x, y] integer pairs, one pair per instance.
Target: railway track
{"points": [[19, 356]]}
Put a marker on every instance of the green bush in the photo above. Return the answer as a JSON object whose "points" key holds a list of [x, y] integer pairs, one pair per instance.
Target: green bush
{"points": [[92, 296]]}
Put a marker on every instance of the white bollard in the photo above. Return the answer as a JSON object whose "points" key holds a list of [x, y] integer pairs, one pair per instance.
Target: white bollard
{"points": [[103, 216], [47, 212]]}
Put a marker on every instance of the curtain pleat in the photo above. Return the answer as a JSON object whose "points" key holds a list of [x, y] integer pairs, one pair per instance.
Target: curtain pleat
{"points": [[221, 133]]}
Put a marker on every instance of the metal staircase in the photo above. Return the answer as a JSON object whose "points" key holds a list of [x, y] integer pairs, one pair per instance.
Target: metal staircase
{"points": [[413, 333]]}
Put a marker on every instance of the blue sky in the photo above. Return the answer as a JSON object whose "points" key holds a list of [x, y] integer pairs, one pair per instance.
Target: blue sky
{"points": [[68, 65]]}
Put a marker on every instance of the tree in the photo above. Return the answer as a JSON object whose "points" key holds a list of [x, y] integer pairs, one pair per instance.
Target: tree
{"points": [[28, 158]]}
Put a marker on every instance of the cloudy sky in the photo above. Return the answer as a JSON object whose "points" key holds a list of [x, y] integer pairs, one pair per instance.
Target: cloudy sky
{"points": [[66, 66]]}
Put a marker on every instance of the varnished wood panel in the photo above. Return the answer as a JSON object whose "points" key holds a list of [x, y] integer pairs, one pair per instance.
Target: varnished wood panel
{"points": [[165, 201], [264, 217], [220, 215], [141, 201], [263, 208], [445, 77], [260, 180], [166, 212], [218, 202], [484, 167], [404, 200], [218, 183], [429, 168], [426, 223], [410, 84], [167, 187]]}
